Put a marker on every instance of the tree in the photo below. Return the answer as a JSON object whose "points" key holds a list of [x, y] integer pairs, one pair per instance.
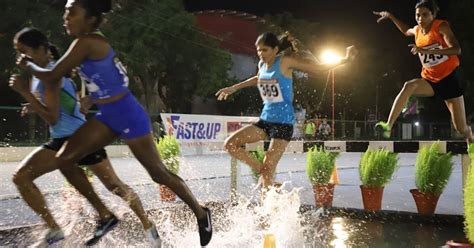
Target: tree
{"points": [[16, 15], [168, 59], [45, 15]]}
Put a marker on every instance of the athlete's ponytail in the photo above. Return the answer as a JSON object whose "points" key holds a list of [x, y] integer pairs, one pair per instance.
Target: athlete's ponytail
{"points": [[286, 41], [56, 56], [54, 52]]}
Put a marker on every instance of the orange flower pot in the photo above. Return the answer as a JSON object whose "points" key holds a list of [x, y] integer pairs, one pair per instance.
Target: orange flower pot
{"points": [[323, 194], [372, 197], [425, 203]]}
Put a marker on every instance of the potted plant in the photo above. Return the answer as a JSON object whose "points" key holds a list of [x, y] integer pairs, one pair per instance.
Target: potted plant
{"points": [[319, 168], [259, 154], [432, 172], [469, 198], [168, 147], [468, 209], [375, 170]]}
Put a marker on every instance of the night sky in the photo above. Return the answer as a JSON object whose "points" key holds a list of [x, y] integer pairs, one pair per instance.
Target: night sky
{"points": [[339, 15], [350, 19]]}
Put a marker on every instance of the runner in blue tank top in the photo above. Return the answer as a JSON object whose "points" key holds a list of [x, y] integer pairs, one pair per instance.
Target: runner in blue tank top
{"points": [[64, 118], [275, 83], [120, 114], [276, 91]]}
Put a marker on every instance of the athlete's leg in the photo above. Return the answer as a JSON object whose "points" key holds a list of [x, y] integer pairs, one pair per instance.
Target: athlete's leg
{"points": [[144, 149], [415, 87], [106, 174], [33, 166], [90, 137], [458, 116], [235, 145], [275, 152]]}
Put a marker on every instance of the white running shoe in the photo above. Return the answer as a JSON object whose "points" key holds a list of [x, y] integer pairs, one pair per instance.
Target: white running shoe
{"points": [[53, 235]]}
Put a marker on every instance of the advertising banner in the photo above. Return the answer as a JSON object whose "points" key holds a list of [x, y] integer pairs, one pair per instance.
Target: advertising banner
{"points": [[201, 131]]}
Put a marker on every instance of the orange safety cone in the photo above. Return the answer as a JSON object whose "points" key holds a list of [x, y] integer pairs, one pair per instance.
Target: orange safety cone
{"points": [[334, 177], [269, 241]]}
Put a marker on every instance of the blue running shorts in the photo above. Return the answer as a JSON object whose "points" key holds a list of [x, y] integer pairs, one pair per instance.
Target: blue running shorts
{"points": [[126, 117]]}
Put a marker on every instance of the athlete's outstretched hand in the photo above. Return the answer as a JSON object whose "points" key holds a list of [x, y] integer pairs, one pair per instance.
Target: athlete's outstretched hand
{"points": [[223, 93], [351, 52], [383, 15], [18, 84]]}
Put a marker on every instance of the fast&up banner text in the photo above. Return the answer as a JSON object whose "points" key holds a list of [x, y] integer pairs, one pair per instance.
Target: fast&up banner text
{"points": [[204, 128]]}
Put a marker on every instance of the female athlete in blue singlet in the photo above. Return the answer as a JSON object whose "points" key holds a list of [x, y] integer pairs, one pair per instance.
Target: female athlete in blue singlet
{"points": [[275, 83], [57, 104], [120, 114]]}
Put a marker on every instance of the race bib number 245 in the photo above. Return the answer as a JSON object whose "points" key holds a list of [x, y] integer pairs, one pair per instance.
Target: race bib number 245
{"points": [[430, 60]]}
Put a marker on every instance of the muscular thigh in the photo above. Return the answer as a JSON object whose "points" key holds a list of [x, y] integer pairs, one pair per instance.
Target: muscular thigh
{"points": [[247, 134], [90, 137], [38, 163], [422, 88]]}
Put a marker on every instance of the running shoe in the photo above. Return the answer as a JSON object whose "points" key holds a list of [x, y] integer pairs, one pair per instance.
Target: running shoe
{"points": [[205, 228], [384, 128], [153, 237], [103, 227], [53, 235]]}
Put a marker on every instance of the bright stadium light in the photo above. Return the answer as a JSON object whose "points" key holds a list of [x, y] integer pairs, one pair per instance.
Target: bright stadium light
{"points": [[330, 57]]}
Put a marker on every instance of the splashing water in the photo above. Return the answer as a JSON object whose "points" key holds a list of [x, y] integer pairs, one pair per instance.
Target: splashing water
{"points": [[246, 223], [242, 224]]}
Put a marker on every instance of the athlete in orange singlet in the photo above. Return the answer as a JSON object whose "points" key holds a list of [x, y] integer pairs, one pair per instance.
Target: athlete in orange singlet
{"points": [[438, 50]]}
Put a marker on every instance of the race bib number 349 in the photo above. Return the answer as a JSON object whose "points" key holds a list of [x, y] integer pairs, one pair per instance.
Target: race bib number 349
{"points": [[430, 60], [270, 90]]}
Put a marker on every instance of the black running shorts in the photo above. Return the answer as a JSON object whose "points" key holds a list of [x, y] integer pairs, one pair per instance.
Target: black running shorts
{"points": [[448, 87], [276, 130], [91, 159]]}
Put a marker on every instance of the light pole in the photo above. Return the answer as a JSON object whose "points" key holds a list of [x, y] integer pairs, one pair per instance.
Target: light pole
{"points": [[330, 57], [333, 104], [376, 101]]}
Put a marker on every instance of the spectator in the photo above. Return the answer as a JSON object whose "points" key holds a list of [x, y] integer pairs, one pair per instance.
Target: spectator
{"points": [[324, 130], [309, 129]]}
